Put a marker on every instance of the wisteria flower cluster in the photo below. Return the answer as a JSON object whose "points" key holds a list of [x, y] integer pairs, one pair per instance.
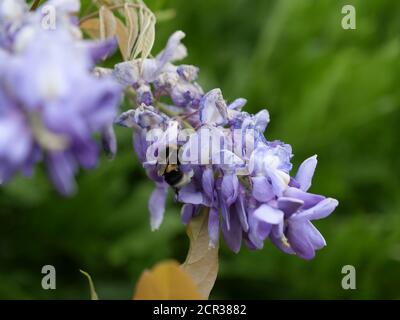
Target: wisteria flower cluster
{"points": [[51, 104], [210, 152], [252, 189]]}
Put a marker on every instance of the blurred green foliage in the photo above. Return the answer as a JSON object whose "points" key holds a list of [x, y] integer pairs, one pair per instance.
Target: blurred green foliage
{"points": [[330, 91]]}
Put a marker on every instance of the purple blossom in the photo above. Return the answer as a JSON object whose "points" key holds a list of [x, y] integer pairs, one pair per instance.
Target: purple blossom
{"points": [[46, 100], [246, 186], [53, 100], [165, 78]]}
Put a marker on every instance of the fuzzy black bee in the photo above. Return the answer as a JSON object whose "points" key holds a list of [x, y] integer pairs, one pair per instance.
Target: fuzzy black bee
{"points": [[172, 172]]}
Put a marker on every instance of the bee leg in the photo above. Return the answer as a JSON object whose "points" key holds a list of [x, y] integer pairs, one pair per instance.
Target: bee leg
{"points": [[176, 191]]}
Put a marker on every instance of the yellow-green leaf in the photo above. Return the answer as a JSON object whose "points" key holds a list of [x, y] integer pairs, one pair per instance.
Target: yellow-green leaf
{"points": [[132, 22], [202, 260], [93, 293], [148, 38], [166, 281], [145, 40]]}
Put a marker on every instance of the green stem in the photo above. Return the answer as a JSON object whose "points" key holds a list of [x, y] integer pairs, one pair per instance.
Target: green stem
{"points": [[35, 5], [130, 93], [169, 113]]}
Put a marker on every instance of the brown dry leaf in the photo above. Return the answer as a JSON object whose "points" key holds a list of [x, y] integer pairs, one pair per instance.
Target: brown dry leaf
{"points": [[166, 281], [91, 27], [202, 260], [108, 24], [132, 22], [122, 38], [111, 26], [138, 46]]}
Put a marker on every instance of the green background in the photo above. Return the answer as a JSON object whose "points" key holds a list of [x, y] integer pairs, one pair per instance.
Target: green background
{"points": [[329, 91]]}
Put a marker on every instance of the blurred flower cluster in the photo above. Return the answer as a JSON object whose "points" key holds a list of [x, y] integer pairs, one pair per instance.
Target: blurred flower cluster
{"points": [[210, 152], [51, 104]]}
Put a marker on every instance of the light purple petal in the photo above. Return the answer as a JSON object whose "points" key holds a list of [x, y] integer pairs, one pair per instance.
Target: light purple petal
{"points": [[187, 212], [157, 205], [249, 243], [127, 73], [213, 226], [277, 241], [140, 145], [316, 238], [238, 104], [305, 173], [189, 194], [304, 239], [289, 205], [188, 72], [100, 50], [15, 139], [253, 235], [213, 109], [233, 235], [299, 241], [86, 152], [262, 189], [174, 49], [261, 120], [264, 218], [225, 212], [279, 181], [241, 209], [208, 183], [61, 168], [319, 211], [229, 188], [309, 199], [268, 214]]}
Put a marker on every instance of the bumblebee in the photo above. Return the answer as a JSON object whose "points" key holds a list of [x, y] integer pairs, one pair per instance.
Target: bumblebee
{"points": [[172, 172]]}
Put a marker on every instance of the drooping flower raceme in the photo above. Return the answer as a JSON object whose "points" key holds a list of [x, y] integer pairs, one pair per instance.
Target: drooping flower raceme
{"points": [[51, 104], [211, 153], [223, 160]]}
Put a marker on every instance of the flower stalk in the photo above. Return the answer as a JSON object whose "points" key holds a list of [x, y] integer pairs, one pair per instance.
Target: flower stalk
{"points": [[35, 5]]}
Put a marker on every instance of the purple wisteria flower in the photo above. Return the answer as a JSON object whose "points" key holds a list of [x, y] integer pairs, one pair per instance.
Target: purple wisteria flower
{"points": [[51, 104], [222, 160], [153, 78], [53, 101]]}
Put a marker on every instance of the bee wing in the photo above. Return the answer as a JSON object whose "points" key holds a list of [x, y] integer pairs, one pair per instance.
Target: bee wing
{"points": [[161, 169]]}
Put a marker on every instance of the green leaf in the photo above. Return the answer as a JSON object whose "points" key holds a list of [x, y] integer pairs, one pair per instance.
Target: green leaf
{"points": [[93, 293]]}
